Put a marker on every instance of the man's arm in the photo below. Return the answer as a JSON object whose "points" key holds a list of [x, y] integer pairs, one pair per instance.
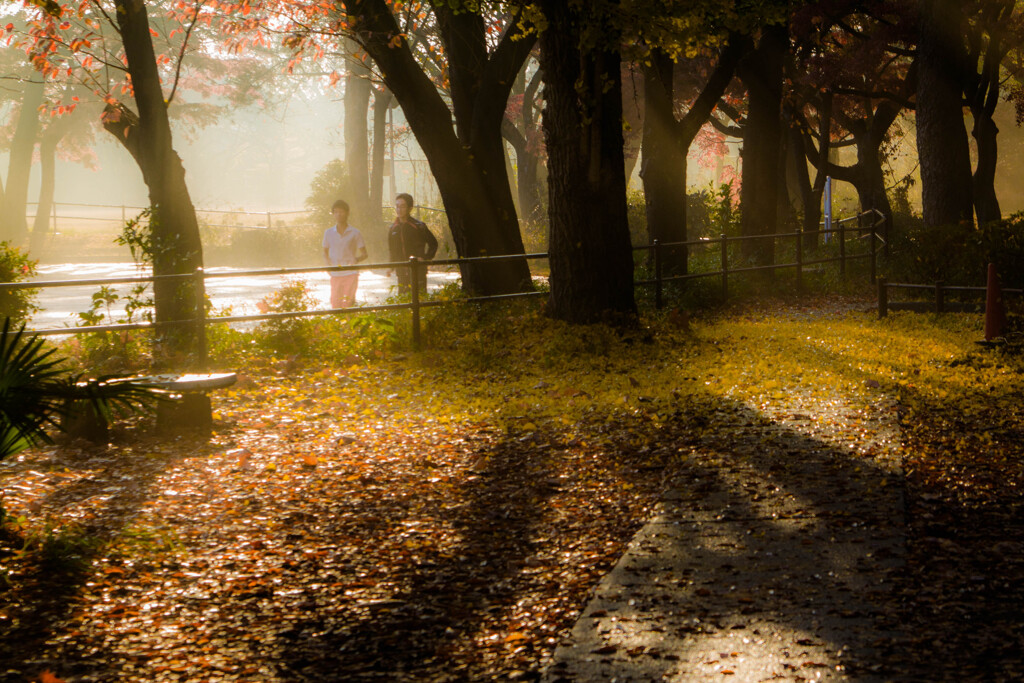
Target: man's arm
{"points": [[327, 256], [395, 244], [430, 242], [361, 254]]}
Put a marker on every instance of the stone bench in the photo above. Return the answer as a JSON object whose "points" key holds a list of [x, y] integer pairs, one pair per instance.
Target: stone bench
{"points": [[186, 405]]}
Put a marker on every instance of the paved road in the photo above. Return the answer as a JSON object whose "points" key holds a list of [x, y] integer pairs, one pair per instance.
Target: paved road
{"points": [[773, 559], [61, 305]]}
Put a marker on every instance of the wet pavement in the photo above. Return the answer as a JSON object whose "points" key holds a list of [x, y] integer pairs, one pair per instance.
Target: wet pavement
{"points": [[61, 305]]}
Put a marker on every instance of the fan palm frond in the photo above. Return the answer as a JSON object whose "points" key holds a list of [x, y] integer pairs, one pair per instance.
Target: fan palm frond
{"points": [[36, 391]]}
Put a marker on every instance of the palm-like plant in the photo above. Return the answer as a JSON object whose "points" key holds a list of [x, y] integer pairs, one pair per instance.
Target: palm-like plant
{"points": [[36, 391]]}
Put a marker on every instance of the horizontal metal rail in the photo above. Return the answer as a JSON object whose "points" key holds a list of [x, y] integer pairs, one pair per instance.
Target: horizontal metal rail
{"points": [[656, 249], [938, 290]]}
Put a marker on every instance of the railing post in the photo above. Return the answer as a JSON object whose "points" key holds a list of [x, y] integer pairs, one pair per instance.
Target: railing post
{"points": [[799, 259], [268, 221], [883, 298], [414, 282], [725, 267], [657, 274], [940, 304], [199, 288], [842, 249]]}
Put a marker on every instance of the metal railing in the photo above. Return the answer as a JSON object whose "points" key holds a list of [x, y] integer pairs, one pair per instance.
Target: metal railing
{"points": [[799, 263], [937, 302], [127, 211], [418, 267]]}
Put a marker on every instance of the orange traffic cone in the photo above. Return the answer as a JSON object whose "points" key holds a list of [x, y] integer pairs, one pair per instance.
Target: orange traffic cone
{"points": [[995, 312]]}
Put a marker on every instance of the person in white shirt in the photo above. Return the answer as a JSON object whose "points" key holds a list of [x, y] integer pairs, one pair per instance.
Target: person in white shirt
{"points": [[343, 246]]}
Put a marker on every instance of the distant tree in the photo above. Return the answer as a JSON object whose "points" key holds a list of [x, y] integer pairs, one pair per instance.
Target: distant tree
{"points": [[668, 137], [51, 136], [358, 88], [521, 128], [331, 182], [13, 224], [632, 115], [854, 73], [383, 101], [994, 29]]}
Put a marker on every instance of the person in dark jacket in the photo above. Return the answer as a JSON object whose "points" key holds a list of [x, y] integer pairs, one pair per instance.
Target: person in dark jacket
{"points": [[409, 237]]}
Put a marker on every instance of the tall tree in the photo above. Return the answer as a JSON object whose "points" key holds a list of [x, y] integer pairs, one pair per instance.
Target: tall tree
{"points": [[72, 42], [50, 138], [110, 50], [590, 252], [383, 100], [811, 142], [942, 149], [995, 30], [667, 141], [853, 66], [762, 73], [175, 232], [467, 160], [357, 101], [521, 128]]}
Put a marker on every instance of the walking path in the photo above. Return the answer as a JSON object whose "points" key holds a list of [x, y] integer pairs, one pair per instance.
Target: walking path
{"points": [[773, 559]]}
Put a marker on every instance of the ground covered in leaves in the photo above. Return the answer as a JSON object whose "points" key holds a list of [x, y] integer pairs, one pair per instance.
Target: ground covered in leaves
{"points": [[442, 515]]}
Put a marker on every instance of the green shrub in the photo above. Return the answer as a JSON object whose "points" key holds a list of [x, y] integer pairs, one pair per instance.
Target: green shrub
{"points": [[330, 183], [281, 245], [67, 548], [16, 304], [287, 336], [958, 254], [535, 237]]}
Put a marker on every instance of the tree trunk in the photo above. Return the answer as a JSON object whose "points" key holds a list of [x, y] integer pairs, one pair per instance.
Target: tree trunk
{"points": [[871, 183], [985, 133], [175, 231], [527, 157], [522, 135], [762, 72], [381, 103], [810, 204], [47, 164], [942, 146], [468, 165], [13, 223], [868, 176], [994, 32], [664, 166], [590, 252], [667, 143], [357, 160], [812, 220]]}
